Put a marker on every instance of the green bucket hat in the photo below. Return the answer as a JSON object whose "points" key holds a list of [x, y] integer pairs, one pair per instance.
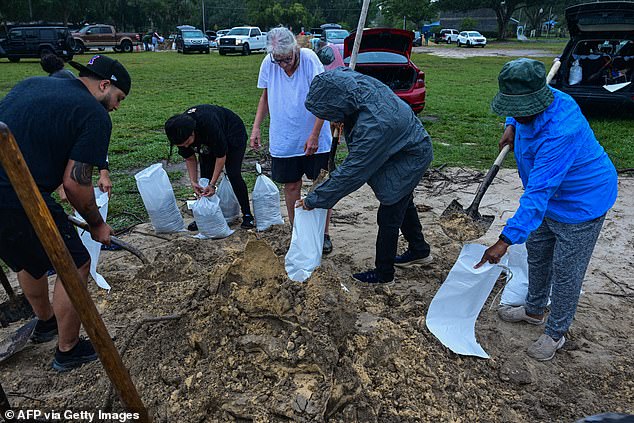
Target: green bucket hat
{"points": [[523, 89]]}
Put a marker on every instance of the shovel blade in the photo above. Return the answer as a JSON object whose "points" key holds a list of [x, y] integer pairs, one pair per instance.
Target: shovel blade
{"points": [[464, 225], [14, 310], [17, 340]]}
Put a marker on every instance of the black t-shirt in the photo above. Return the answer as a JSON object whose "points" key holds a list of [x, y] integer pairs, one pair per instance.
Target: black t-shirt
{"points": [[53, 120], [217, 130]]}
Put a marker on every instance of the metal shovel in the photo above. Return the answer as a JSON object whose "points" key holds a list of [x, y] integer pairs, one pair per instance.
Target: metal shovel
{"points": [[469, 224], [16, 308], [17, 340]]}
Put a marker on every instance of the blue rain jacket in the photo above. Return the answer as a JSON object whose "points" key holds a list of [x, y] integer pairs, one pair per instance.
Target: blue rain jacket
{"points": [[567, 175], [387, 145]]}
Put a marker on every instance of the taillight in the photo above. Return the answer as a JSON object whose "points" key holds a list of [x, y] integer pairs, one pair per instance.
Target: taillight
{"points": [[420, 80]]}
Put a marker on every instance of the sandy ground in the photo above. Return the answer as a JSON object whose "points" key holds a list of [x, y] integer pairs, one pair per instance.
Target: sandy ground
{"points": [[464, 52], [252, 346]]}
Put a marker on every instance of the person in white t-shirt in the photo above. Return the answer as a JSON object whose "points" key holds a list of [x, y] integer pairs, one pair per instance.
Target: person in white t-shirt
{"points": [[299, 142]]}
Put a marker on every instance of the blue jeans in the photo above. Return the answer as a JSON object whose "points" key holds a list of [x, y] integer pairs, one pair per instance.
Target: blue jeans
{"points": [[558, 257]]}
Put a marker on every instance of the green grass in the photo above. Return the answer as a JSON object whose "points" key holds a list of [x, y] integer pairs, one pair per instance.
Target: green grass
{"points": [[457, 116]]}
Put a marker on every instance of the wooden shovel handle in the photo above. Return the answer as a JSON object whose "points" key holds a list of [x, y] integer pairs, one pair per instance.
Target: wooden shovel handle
{"points": [[472, 211], [38, 213]]}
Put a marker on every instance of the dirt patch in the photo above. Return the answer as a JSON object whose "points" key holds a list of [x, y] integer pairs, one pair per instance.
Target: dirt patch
{"points": [[488, 51], [251, 345]]}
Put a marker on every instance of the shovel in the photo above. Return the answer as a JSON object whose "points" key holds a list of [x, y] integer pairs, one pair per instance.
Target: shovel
{"points": [[17, 308], [469, 224], [113, 239], [17, 340]]}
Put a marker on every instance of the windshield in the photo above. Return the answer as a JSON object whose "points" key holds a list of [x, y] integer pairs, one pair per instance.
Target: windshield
{"points": [[474, 34], [193, 34], [239, 31], [84, 29], [336, 34]]}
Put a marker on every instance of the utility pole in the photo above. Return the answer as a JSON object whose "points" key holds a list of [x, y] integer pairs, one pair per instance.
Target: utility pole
{"points": [[203, 3]]}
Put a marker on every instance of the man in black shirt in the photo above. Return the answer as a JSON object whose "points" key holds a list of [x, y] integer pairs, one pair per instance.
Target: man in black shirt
{"points": [[63, 129], [219, 137]]}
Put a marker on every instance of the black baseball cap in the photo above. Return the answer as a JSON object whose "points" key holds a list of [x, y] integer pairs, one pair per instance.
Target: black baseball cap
{"points": [[107, 68]]}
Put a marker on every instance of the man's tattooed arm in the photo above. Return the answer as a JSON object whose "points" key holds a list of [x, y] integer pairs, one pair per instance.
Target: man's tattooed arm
{"points": [[82, 173]]}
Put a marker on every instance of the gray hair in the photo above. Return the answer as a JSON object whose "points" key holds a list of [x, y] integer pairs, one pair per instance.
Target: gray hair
{"points": [[280, 41]]}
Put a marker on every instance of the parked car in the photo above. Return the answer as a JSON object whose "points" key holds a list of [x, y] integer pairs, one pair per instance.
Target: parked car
{"points": [[37, 41], [597, 63], [384, 54], [447, 36], [190, 39], [242, 39], [102, 36], [471, 39], [220, 33]]}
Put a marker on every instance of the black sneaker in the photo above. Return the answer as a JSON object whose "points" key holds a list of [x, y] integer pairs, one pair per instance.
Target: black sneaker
{"points": [[81, 353], [409, 259], [45, 330], [192, 226], [371, 277], [247, 222], [327, 245]]}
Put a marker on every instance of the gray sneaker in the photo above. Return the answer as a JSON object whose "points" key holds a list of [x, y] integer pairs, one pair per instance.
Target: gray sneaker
{"points": [[545, 347], [516, 314]]}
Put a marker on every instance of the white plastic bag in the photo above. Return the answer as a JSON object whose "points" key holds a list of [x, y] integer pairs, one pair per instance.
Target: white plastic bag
{"points": [[94, 247], [266, 202], [228, 201], [307, 243], [514, 293], [208, 215], [455, 308], [158, 197], [576, 73]]}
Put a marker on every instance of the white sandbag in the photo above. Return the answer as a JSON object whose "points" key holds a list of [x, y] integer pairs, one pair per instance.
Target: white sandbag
{"points": [[514, 293], [266, 202], [208, 215], [228, 201], [158, 197], [453, 311], [307, 243], [94, 247], [576, 73]]}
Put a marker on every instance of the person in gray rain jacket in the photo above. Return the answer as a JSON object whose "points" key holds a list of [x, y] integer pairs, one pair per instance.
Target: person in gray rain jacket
{"points": [[389, 149]]}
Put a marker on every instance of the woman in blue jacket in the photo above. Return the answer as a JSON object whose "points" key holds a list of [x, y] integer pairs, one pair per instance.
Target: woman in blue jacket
{"points": [[569, 185]]}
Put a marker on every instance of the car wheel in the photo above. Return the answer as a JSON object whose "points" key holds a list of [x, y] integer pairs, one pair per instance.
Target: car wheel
{"points": [[14, 59], [246, 50], [468, 44], [79, 48], [448, 40], [116, 49], [206, 51], [126, 46], [222, 52], [46, 52], [458, 43]]}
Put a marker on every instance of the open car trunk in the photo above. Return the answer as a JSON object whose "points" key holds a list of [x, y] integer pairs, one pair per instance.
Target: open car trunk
{"points": [[600, 62], [397, 78]]}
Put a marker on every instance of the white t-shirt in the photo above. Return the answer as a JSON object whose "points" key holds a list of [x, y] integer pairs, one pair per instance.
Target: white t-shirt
{"points": [[291, 123]]}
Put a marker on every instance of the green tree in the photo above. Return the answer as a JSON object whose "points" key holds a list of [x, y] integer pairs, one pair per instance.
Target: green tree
{"points": [[503, 9], [415, 11]]}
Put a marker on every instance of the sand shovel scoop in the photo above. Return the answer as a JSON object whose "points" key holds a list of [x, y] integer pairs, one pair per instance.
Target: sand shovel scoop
{"points": [[469, 224]]}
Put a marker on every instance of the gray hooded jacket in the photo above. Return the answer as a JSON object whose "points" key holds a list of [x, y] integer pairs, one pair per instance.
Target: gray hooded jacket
{"points": [[388, 146]]}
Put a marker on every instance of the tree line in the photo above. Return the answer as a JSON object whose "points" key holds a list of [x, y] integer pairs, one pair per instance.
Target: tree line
{"points": [[165, 15]]}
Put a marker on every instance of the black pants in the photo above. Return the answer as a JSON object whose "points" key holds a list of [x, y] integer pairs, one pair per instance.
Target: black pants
{"points": [[233, 168], [401, 215]]}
